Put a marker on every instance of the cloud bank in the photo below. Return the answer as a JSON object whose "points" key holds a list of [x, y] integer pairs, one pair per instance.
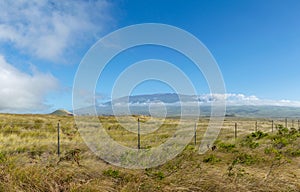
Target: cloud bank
{"points": [[231, 99], [48, 29], [21, 92]]}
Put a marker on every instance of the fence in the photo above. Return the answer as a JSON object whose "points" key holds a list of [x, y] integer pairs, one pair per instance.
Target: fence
{"points": [[56, 135], [37, 135], [234, 128]]}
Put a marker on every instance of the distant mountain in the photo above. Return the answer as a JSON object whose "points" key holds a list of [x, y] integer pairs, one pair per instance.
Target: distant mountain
{"points": [[167, 98], [237, 105], [61, 112]]}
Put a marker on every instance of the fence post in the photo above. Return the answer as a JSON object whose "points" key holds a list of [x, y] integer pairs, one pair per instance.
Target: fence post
{"points": [[195, 133], [255, 126], [235, 131], [298, 124], [293, 123], [272, 126], [58, 138], [286, 123], [139, 137]]}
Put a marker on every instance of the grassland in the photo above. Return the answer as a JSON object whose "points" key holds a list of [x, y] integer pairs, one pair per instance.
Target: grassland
{"points": [[258, 160]]}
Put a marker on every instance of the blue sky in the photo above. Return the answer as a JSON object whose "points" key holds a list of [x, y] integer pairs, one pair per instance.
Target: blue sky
{"points": [[255, 43]]}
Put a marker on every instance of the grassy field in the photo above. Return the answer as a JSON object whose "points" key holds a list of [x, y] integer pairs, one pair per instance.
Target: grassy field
{"points": [[258, 160]]}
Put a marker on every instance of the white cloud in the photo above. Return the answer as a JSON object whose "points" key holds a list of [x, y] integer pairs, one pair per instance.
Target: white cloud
{"points": [[21, 92], [207, 99], [48, 29], [241, 99]]}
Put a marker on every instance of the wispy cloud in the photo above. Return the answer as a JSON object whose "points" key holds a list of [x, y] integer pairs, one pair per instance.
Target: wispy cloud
{"points": [[21, 92], [48, 29]]}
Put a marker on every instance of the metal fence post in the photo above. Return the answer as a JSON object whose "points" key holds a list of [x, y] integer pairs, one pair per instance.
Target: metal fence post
{"points": [[58, 139], [285, 122], [195, 133], [235, 130], [255, 126], [139, 137]]}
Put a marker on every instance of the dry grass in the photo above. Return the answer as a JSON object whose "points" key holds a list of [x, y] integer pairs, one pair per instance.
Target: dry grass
{"points": [[28, 159]]}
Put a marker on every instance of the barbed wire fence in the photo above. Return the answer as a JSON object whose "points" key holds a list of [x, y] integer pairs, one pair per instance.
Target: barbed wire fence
{"points": [[60, 135]]}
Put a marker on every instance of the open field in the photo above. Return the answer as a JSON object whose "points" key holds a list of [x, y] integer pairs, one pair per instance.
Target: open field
{"points": [[258, 160]]}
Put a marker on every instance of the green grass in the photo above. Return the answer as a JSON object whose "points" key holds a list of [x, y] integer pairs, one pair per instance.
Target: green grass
{"points": [[255, 161]]}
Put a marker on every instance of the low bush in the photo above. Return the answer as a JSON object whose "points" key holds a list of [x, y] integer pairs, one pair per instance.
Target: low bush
{"points": [[244, 158], [112, 173], [226, 146], [211, 159]]}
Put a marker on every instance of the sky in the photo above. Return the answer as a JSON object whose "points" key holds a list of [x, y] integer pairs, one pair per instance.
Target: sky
{"points": [[254, 42]]}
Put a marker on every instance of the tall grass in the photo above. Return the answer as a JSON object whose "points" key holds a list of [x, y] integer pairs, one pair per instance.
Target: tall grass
{"points": [[28, 157]]}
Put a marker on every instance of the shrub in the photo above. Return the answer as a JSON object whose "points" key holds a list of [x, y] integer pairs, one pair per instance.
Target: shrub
{"points": [[258, 135], [280, 142], [112, 173], [226, 146], [160, 175], [2, 157], [248, 142], [244, 158], [211, 159], [282, 130], [293, 152]]}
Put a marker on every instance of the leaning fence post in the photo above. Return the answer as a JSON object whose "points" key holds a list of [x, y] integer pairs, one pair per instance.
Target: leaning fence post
{"points": [[139, 138], [58, 139], [235, 130]]}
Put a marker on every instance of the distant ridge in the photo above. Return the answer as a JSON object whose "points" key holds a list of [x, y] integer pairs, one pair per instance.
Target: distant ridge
{"points": [[61, 112], [237, 105]]}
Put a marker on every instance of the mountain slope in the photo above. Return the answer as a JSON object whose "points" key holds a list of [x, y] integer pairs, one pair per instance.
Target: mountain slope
{"points": [[61, 112], [237, 105]]}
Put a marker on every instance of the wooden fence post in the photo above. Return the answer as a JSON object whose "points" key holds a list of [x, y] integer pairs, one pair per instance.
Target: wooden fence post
{"points": [[272, 126]]}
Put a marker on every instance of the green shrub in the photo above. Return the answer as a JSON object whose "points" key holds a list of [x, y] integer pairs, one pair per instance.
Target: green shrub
{"points": [[112, 173], [248, 142], [269, 150], [258, 135], [282, 130], [244, 158], [293, 152], [280, 142], [160, 175], [226, 146], [2, 157], [296, 153], [211, 159]]}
